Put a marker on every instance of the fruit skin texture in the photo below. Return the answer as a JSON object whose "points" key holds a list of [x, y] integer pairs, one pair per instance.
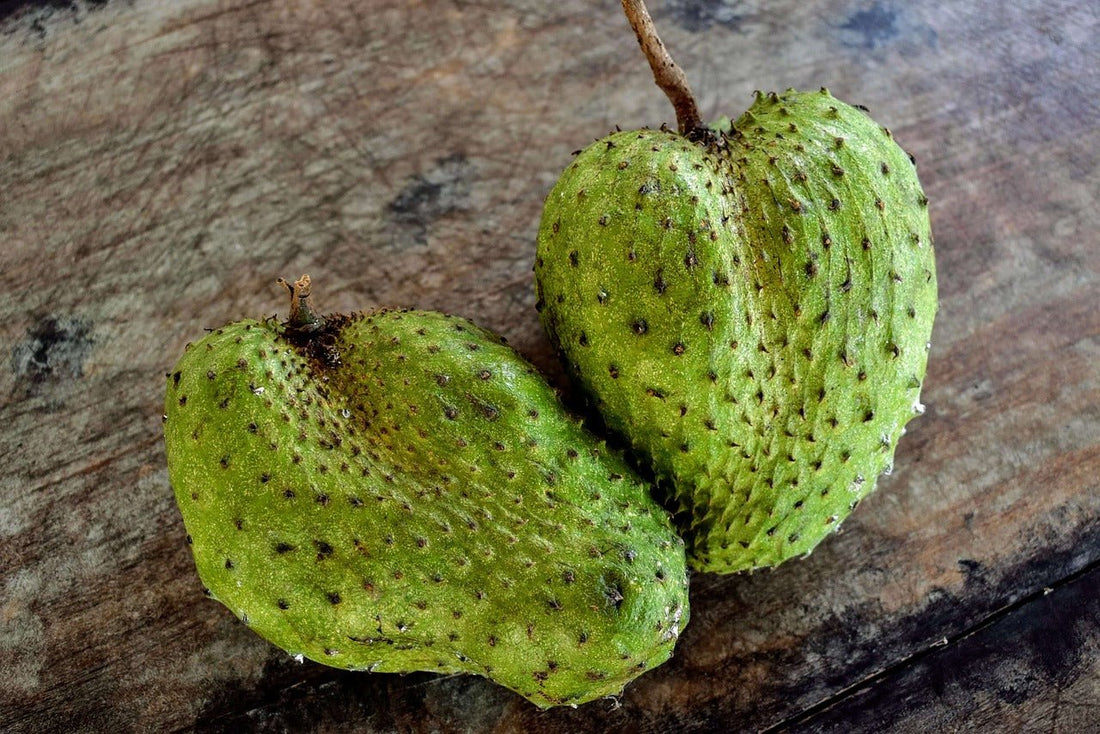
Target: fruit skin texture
{"points": [[752, 313], [401, 491]]}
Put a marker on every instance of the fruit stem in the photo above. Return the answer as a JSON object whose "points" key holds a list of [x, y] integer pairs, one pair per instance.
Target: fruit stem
{"points": [[669, 77], [302, 317]]}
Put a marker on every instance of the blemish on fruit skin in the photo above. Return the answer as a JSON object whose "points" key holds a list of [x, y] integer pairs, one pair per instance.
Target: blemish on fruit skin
{"points": [[659, 283]]}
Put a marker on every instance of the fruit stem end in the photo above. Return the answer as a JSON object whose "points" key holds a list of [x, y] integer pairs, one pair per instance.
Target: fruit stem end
{"points": [[302, 316], [669, 77]]}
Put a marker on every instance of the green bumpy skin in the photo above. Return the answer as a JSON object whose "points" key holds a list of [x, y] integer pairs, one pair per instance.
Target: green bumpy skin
{"points": [[406, 493], [751, 312]]}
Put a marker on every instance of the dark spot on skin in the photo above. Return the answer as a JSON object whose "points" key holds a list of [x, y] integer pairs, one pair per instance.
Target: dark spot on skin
{"points": [[324, 550], [659, 283], [333, 598], [639, 327], [283, 547], [614, 594], [282, 604]]}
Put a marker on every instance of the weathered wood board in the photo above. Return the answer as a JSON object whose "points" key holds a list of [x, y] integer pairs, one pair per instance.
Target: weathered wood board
{"points": [[162, 162]]}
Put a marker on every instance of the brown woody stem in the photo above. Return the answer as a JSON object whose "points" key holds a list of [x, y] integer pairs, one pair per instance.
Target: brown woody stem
{"points": [[302, 316], [669, 77]]}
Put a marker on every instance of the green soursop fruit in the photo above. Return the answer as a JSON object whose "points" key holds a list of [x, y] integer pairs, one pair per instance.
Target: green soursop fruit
{"points": [[400, 491], [750, 307]]}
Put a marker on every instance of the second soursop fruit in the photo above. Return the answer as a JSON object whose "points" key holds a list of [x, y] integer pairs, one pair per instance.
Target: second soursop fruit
{"points": [[751, 308], [398, 491]]}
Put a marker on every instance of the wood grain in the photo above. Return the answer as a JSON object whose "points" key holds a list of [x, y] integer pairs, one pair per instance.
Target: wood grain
{"points": [[162, 162]]}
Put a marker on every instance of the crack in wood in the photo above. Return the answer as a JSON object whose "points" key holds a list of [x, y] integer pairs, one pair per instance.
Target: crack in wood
{"points": [[809, 714]]}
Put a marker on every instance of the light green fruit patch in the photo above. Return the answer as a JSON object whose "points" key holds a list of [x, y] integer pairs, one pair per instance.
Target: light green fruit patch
{"points": [[403, 492], [751, 312]]}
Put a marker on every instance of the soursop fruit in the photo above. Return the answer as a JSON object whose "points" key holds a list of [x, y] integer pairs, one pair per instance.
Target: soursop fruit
{"points": [[400, 491], [750, 306]]}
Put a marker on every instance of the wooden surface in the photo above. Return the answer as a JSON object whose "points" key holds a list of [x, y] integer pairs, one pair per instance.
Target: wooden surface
{"points": [[163, 161]]}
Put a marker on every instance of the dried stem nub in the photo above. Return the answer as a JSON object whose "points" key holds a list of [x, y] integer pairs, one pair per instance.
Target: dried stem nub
{"points": [[302, 316], [669, 77]]}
